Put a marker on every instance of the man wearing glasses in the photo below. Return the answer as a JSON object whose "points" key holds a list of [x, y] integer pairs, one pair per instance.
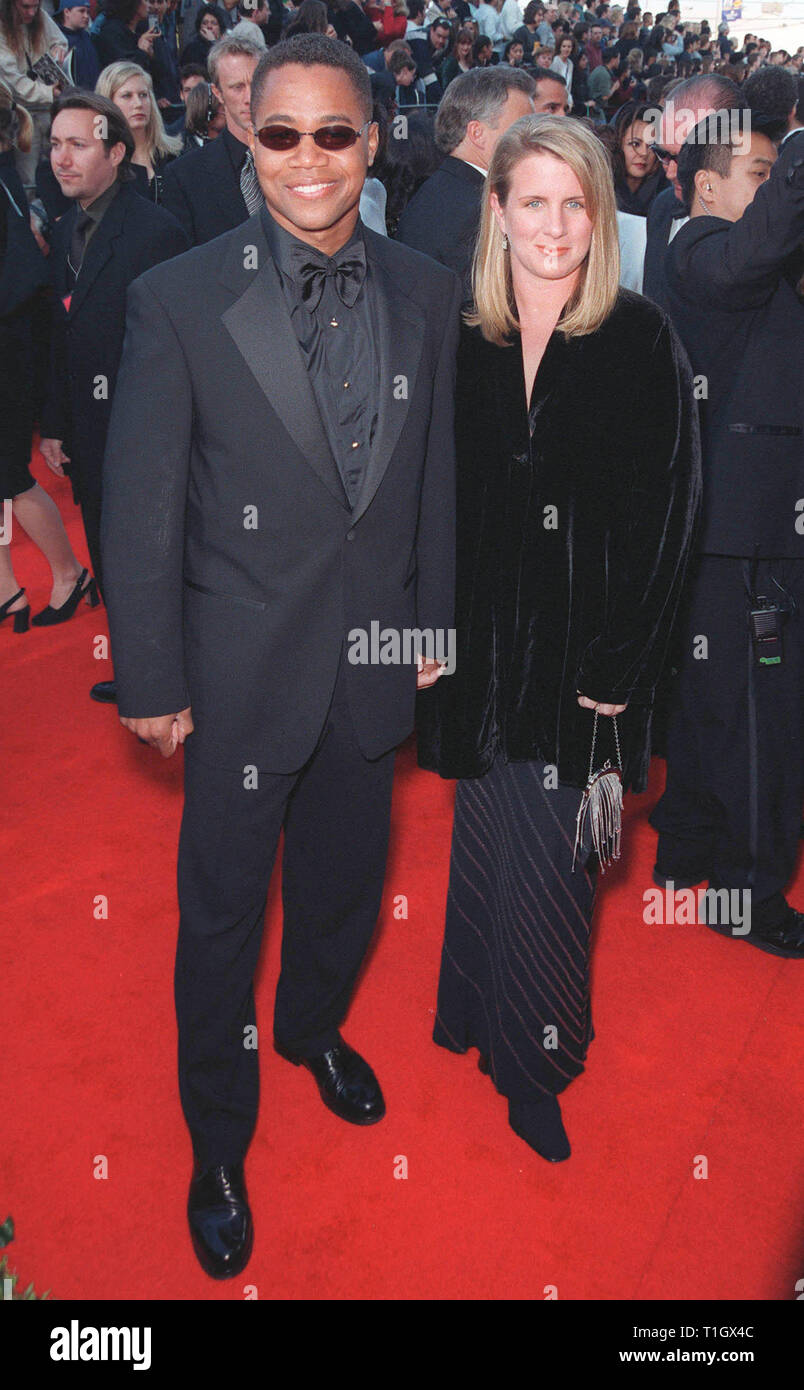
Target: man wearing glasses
{"points": [[687, 104], [307, 497]]}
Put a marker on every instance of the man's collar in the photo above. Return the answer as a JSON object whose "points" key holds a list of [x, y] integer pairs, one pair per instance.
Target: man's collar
{"points": [[98, 206], [281, 242]]}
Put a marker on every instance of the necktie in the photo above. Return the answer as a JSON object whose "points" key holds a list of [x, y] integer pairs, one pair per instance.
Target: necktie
{"points": [[250, 185], [78, 241], [312, 269]]}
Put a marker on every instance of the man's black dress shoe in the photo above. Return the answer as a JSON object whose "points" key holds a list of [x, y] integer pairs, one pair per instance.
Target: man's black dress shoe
{"points": [[776, 928], [105, 692], [220, 1220], [347, 1084]]}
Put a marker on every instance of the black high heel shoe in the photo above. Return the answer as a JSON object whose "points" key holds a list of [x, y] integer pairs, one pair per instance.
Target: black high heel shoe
{"points": [[20, 615], [89, 592]]}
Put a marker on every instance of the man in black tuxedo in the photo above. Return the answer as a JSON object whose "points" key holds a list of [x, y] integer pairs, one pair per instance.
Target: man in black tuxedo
{"points": [[309, 495], [214, 189], [443, 216], [107, 239], [731, 811]]}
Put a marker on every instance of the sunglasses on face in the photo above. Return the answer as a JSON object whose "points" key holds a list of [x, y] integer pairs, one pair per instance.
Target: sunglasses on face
{"points": [[328, 137], [664, 156]]}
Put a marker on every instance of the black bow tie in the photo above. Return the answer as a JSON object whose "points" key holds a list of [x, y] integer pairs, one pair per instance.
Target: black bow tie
{"points": [[312, 269]]}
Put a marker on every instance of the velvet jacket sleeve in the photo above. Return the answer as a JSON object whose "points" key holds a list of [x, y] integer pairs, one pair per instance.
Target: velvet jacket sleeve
{"points": [[654, 528]]}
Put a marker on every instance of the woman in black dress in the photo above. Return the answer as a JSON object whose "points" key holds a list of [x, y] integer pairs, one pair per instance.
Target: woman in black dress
{"points": [[23, 283], [575, 521]]}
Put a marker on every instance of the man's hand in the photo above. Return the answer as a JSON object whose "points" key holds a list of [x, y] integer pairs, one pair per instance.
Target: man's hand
{"points": [[429, 672], [54, 455], [601, 709], [165, 732]]}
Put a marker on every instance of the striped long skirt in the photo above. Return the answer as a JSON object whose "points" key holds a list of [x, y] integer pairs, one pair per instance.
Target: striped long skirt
{"points": [[514, 976]]}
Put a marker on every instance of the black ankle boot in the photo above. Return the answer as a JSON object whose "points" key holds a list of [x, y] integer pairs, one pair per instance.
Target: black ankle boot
{"points": [[540, 1124]]}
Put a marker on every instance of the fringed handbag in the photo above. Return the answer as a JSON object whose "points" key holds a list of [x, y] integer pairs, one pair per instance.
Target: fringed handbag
{"points": [[601, 810]]}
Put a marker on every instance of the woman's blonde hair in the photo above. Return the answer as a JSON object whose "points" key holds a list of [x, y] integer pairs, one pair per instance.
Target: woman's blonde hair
{"points": [[598, 284], [16, 125], [157, 139]]}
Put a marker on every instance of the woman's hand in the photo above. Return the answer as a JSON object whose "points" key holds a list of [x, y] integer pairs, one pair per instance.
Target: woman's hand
{"points": [[146, 42], [585, 703]]}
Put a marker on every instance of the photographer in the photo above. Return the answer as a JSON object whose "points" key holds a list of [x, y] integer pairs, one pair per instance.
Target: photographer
{"points": [[731, 811]]}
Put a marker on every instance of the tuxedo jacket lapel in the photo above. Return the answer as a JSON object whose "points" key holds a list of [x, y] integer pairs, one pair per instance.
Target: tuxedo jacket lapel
{"points": [[401, 328], [259, 324]]}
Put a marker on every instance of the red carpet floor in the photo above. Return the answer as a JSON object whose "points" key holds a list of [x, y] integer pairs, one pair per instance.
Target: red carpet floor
{"points": [[699, 1051]]}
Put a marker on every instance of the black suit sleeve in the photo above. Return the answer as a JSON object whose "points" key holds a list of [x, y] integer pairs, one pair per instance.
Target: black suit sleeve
{"points": [[435, 538], [176, 202], [743, 268], [145, 473], [654, 525]]}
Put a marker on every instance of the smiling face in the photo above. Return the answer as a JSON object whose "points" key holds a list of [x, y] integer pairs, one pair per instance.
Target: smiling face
{"points": [[565, 49], [545, 218], [311, 192], [134, 100]]}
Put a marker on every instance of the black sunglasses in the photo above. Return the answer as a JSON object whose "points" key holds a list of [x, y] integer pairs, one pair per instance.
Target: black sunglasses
{"points": [[327, 137], [664, 156]]}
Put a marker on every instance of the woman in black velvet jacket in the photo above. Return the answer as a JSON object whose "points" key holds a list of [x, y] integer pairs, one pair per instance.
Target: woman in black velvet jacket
{"points": [[575, 521]]}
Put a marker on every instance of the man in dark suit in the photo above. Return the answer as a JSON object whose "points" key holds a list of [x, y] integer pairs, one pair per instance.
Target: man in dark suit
{"points": [[731, 811], [688, 103], [443, 216], [305, 500], [107, 239], [214, 189]]}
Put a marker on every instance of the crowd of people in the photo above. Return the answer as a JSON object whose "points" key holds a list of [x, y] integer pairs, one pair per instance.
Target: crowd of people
{"points": [[507, 305]]}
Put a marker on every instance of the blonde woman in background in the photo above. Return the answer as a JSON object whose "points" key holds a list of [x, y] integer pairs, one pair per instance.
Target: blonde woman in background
{"points": [[132, 91], [27, 33], [574, 523]]}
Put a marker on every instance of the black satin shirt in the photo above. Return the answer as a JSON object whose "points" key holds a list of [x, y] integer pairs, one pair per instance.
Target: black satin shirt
{"points": [[339, 347]]}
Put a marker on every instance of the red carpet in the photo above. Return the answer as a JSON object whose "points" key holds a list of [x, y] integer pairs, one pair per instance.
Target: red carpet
{"points": [[699, 1051]]}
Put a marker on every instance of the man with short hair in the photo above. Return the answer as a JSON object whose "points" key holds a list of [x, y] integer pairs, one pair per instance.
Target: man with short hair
{"points": [[209, 190], [399, 84], [551, 97], [604, 82], [731, 810], [252, 20], [73, 18], [442, 217], [688, 102], [593, 47], [429, 54], [773, 94], [109, 236], [287, 498]]}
